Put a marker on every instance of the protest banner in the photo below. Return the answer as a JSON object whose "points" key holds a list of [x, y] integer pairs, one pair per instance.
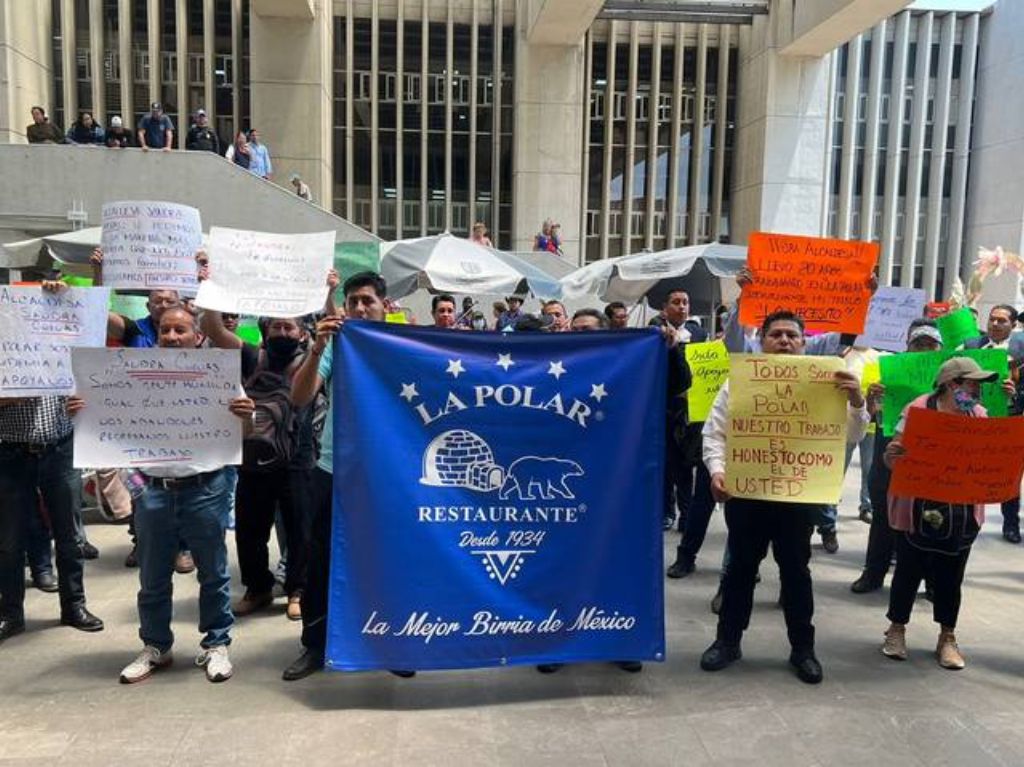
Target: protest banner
{"points": [[787, 429], [150, 246], [871, 374], [957, 327], [709, 366], [889, 316], [824, 281], [909, 375], [272, 275], [37, 331], [442, 465], [157, 407], [956, 462]]}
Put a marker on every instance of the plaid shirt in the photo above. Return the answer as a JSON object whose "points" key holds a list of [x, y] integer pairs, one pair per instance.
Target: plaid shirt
{"points": [[35, 421]]}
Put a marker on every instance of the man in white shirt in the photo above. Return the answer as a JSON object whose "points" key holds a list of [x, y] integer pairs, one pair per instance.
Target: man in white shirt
{"points": [[182, 503], [754, 524]]}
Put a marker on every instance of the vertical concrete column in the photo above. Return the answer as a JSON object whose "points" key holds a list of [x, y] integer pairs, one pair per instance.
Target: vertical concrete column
{"points": [[26, 65], [290, 85], [782, 120]]}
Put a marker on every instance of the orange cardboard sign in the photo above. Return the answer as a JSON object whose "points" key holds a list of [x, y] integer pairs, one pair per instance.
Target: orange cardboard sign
{"points": [[950, 460], [824, 281]]}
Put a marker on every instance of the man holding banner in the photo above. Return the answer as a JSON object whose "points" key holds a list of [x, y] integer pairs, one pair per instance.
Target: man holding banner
{"points": [[769, 482]]}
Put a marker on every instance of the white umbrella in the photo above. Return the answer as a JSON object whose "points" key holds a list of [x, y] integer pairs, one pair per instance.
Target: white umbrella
{"points": [[447, 264], [630, 278]]}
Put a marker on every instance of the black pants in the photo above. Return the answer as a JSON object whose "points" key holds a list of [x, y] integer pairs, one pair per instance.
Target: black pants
{"points": [[753, 525], [314, 598], [258, 497], [1011, 515], [881, 537], [25, 473], [945, 573], [678, 482], [698, 516]]}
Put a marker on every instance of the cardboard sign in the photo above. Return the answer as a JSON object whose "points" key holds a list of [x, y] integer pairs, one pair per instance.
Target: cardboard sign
{"points": [[271, 275], [935, 309], [909, 375], [709, 366], [151, 246], [37, 331], [824, 281], [157, 407], [889, 315], [958, 459], [787, 428], [956, 327]]}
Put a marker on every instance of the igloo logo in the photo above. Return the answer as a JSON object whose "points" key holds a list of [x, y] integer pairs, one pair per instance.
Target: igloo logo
{"points": [[461, 458]]}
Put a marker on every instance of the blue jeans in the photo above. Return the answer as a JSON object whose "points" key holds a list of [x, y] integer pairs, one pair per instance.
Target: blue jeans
{"points": [[196, 514], [830, 513]]}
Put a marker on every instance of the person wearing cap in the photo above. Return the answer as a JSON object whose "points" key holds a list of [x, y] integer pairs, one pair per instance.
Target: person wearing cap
{"points": [[117, 136], [201, 137], [156, 131], [922, 336], [919, 555], [508, 318], [301, 187]]}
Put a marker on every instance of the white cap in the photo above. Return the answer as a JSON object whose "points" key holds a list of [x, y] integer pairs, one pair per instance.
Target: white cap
{"points": [[115, 121]]}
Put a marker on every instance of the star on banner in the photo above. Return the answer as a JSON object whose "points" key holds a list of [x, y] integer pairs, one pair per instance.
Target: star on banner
{"points": [[597, 392], [505, 361], [556, 369], [455, 367], [409, 392]]}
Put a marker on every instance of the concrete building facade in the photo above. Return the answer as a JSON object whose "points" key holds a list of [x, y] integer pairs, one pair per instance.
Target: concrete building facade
{"points": [[632, 123]]}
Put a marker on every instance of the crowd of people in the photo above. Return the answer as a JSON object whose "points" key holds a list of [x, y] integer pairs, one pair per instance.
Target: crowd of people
{"points": [[180, 516]]}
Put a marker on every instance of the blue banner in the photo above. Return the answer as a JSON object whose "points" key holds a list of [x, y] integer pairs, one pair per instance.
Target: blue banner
{"points": [[497, 498]]}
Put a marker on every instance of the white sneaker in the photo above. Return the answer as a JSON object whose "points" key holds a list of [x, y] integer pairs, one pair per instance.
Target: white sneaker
{"points": [[217, 663], [148, 661]]}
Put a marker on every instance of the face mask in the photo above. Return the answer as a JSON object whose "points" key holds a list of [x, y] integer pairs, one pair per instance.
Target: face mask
{"points": [[965, 401], [281, 346]]}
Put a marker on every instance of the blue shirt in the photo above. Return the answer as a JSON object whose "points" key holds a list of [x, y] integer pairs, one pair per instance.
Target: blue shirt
{"points": [[325, 368], [259, 160], [154, 130], [143, 335]]}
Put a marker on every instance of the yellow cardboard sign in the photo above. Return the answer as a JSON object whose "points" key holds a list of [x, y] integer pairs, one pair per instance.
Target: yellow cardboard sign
{"points": [[709, 366], [871, 374], [396, 318], [787, 429]]}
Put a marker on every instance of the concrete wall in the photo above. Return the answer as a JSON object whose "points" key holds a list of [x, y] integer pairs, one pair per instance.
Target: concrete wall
{"points": [[995, 192], [26, 64]]}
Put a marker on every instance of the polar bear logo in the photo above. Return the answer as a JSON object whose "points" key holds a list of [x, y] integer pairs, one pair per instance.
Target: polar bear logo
{"points": [[546, 476]]}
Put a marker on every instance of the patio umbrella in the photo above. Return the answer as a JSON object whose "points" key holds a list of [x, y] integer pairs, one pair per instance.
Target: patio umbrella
{"points": [[447, 264], [631, 278]]}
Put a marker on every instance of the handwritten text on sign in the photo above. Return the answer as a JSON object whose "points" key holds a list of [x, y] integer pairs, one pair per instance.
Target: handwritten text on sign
{"points": [[277, 275], [157, 407], [889, 317], [953, 461], [787, 429], [150, 246], [37, 331], [709, 367], [824, 281]]}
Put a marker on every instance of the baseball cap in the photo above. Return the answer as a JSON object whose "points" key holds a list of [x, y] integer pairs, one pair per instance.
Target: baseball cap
{"points": [[115, 121], [925, 331], [963, 368], [156, 107], [201, 112], [514, 298], [534, 322]]}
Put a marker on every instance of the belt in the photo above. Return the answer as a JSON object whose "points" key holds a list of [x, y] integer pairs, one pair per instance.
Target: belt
{"points": [[33, 448], [180, 483]]}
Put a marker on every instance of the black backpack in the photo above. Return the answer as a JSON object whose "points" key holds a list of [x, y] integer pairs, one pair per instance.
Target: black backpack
{"points": [[271, 442]]}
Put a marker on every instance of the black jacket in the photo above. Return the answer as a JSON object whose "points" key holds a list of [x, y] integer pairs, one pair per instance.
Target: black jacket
{"points": [[202, 139]]}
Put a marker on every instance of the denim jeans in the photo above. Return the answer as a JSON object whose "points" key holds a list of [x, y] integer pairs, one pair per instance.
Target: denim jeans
{"points": [[830, 513], [24, 475], [197, 515], [38, 551]]}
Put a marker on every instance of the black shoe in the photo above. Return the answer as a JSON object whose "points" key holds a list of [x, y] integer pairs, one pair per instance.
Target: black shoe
{"points": [[1011, 536], [808, 669], [632, 666], [680, 568], [720, 655], [10, 627], [132, 560], [403, 674], [865, 515], [46, 581], [549, 668], [89, 551], [667, 522], [866, 584], [716, 601], [308, 663], [829, 541], [80, 618]]}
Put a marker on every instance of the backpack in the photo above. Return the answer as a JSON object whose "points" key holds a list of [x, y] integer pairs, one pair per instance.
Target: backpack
{"points": [[271, 443]]}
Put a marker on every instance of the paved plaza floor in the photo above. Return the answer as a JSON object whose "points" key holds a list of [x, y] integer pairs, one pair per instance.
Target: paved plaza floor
{"points": [[60, 702]]}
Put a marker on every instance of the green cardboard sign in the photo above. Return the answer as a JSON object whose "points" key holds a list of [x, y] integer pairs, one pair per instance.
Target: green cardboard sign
{"points": [[956, 327]]}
